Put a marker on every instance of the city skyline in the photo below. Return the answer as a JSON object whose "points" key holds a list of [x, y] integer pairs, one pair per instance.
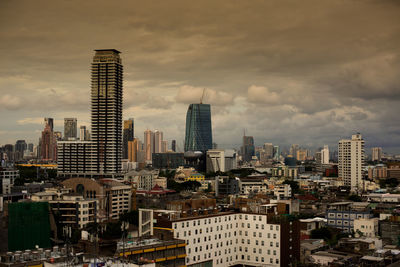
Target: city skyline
{"points": [[338, 78]]}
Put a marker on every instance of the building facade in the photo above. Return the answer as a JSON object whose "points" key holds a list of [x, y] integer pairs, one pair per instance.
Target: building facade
{"points": [[106, 110], [376, 154], [351, 162], [129, 133], [70, 129], [247, 149], [198, 135]]}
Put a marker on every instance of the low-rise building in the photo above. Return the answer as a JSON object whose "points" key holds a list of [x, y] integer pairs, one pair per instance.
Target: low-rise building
{"points": [[366, 227], [342, 214], [282, 191]]}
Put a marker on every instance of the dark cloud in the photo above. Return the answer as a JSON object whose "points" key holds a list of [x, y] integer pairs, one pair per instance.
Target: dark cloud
{"points": [[288, 71]]}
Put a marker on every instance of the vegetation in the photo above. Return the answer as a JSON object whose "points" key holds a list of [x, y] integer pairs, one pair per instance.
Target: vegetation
{"points": [[178, 187], [355, 198], [293, 185], [390, 182], [34, 174], [132, 217], [330, 235], [170, 174]]}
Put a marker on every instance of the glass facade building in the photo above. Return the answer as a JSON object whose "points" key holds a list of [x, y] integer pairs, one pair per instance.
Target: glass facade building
{"points": [[198, 128]]}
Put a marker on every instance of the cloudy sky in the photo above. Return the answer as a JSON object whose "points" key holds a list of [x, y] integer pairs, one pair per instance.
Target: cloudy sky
{"points": [[305, 72]]}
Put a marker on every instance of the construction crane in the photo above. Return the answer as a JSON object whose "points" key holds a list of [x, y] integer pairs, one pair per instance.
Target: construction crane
{"points": [[202, 96]]}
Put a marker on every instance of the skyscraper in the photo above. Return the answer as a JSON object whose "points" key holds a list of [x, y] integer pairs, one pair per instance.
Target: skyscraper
{"points": [[106, 110], [247, 149], [128, 135], [158, 140], [173, 145], [325, 155], [148, 144], [82, 133], [70, 128], [48, 143], [198, 135], [376, 154], [50, 122], [351, 161], [269, 150]]}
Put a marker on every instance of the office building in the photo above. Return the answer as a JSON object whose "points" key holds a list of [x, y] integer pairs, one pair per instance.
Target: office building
{"points": [[247, 149], [325, 155], [50, 122], [106, 110], [164, 147], [221, 160], [83, 133], [129, 134], [148, 144], [268, 150], [277, 153], [167, 160], [133, 150], [351, 161], [198, 135], [76, 158], [48, 142], [376, 154], [158, 141], [173, 145], [70, 129], [293, 150]]}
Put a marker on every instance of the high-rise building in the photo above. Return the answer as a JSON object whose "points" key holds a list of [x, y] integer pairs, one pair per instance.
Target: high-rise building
{"points": [[158, 140], [351, 161], [148, 144], [128, 136], [48, 143], [173, 145], [30, 147], [198, 135], [376, 154], [133, 147], [301, 154], [50, 122], [164, 147], [293, 150], [247, 149], [325, 155], [277, 153], [82, 133], [106, 94], [268, 150], [70, 128]]}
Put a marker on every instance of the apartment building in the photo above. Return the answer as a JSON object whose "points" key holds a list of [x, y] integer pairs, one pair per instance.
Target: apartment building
{"points": [[342, 214], [231, 238]]}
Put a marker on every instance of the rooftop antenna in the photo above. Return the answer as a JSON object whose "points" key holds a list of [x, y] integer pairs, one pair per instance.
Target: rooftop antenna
{"points": [[202, 96]]}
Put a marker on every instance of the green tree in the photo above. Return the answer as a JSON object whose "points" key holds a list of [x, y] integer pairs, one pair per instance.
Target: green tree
{"points": [[293, 185], [355, 198]]}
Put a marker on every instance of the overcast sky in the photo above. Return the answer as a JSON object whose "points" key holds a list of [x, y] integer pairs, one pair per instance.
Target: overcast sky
{"points": [[304, 72]]}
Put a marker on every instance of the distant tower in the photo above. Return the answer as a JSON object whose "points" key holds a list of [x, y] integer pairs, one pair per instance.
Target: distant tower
{"points": [[198, 128], [128, 136], [48, 143], [50, 122], [148, 144], [107, 110], [376, 154], [173, 145], [351, 161], [325, 155], [158, 140], [247, 149], [70, 128], [82, 133]]}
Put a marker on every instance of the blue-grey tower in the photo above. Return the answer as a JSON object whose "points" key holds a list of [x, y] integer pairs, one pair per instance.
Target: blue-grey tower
{"points": [[198, 128]]}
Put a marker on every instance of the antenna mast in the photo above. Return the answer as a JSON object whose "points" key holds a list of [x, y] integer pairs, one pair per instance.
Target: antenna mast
{"points": [[202, 96]]}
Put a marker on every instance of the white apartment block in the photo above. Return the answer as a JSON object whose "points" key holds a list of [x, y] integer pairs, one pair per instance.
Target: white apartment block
{"points": [[229, 238], [283, 191], [376, 153], [221, 160], [252, 186], [351, 161], [325, 155]]}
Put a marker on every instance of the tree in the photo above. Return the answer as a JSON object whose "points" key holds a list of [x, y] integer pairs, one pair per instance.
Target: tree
{"points": [[293, 185], [355, 198], [321, 233], [131, 217]]}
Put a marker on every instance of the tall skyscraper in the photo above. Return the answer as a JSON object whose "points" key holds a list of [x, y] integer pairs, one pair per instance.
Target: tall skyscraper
{"points": [[133, 147], [198, 135], [351, 161], [82, 133], [277, 153], [148, 144], [106, 110], [50, 122], [164, 146], [247, 149], [173, 145], [293, 150], [70, 128], [128, 136], [158, 140], [269, 150], [376, 154], [48, 143], [325, 155]]}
